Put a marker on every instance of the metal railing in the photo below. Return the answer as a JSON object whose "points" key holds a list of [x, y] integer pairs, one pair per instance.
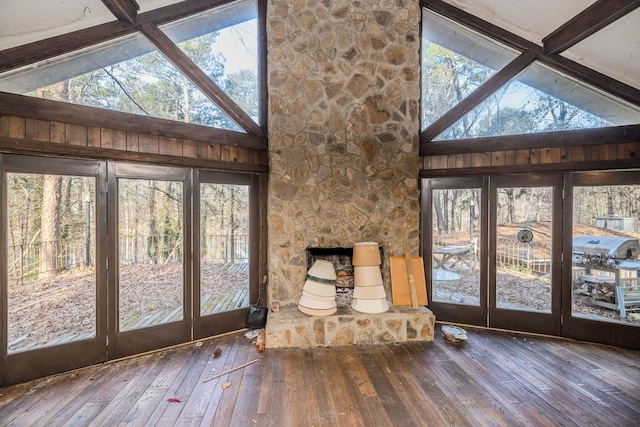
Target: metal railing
{"points": [[26, 262], [534, 257]]}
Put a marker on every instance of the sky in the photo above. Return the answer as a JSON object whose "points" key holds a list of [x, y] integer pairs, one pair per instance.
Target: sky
{"points": [[239, 45]]}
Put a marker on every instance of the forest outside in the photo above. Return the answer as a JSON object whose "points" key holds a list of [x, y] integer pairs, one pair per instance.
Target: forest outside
{"points": [[523, 268], [51, 261]]}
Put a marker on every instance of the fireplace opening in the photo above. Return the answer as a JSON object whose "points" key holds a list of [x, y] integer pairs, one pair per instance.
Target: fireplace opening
{"points": [[341, 260]]}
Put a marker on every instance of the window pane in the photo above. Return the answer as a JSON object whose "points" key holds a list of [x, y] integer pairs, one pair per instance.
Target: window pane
{"points": [[523, 248], [224, 258], [542, 100], [456, 235], [224, 43], [606, 253], [126, 75], [50, 260], [151, 245], [455, 61]]}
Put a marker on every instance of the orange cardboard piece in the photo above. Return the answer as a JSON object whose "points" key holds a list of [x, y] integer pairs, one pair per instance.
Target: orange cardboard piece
{"points": [[400, 293]]}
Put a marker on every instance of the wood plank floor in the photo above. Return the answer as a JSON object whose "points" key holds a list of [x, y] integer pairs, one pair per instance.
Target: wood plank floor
{"points": [[495, 378]]}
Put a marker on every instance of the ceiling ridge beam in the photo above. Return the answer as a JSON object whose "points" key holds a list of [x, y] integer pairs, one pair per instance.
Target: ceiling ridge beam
{"points": [[198, 77], [589, 21], [476, 97]]}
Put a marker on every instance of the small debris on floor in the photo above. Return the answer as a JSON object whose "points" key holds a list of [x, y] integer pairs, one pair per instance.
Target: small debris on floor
{"points": [[199, 344], [226, 386], [231, 370], [173, 400], [453, 334], [217, 352], [252, 334]]}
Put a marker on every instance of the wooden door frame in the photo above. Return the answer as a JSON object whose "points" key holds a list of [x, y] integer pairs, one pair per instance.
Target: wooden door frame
{"points": [[217, 323], [458, 313], [528, 321], [127, 343], [610, 333], [27, 365]]}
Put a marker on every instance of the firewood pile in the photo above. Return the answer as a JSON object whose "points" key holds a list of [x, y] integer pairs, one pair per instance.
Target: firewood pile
{"points": [[597, 291]]}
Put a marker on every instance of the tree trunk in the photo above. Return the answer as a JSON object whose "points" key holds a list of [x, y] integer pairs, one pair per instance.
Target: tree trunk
{"points": [[49, 220], [437, 207], [152, 240], [232, 224], [511, 205]]}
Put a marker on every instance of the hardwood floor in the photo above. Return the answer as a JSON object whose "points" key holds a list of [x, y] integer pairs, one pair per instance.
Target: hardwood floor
{"points": [[494, 378]]}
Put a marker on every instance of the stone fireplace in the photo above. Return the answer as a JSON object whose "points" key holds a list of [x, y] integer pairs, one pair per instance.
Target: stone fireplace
{"points": [[344, 87]]}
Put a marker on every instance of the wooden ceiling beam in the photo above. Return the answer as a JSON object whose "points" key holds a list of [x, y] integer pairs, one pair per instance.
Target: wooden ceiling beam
{"points": [[47, 109], [566, 138], [27, 54], [555, 61], [477, 96], [481, 26], [589, 21], [592, 19], [200, 78], [124, 10], [20, 56]]}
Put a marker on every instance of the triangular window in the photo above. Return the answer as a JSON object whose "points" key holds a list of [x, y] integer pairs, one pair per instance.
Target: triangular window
{"points": [[538, 100], [223, 42], [129, 75], [455, 62]]}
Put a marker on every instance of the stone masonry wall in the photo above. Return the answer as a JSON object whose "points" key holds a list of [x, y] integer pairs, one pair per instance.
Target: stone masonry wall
{"points": [[344, 88]]}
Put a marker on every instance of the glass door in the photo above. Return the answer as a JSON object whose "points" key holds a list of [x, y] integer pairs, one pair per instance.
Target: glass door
{"points": [[227, 218], [602, 296], [53, 310], [150, 278], [524, 284], [453, 251]]}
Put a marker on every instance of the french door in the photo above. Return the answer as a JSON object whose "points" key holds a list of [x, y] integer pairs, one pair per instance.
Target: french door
{"points": [[102, 260], [524, 247], [454, 212], [601, 300], [490, 250], [53, 281], [556, 254], [226, 272], [150, 283]]}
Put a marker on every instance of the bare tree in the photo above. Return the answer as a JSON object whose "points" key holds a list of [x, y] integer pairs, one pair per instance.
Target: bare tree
{"points": [[49, 223]]}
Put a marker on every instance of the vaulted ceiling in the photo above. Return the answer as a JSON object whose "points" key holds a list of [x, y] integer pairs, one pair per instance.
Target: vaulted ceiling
{"points": [[603, 35]]}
